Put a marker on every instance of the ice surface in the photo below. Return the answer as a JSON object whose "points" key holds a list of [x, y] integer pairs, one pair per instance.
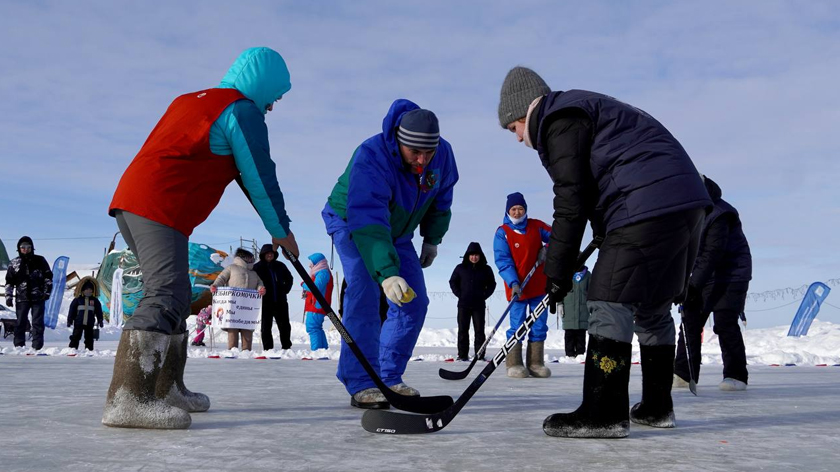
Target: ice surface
{"points": [[294, 415]]}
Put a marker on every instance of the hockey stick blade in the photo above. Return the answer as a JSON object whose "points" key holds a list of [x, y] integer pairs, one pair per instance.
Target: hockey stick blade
{"points": [[402, 402], [389, 422], [452, 375]]}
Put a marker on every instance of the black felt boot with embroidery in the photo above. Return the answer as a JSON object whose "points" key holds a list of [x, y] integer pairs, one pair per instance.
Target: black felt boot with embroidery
{"points": [[603, 412]]}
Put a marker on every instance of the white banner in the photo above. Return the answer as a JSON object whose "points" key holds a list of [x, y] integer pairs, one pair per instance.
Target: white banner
{"points": [[238, 308]]}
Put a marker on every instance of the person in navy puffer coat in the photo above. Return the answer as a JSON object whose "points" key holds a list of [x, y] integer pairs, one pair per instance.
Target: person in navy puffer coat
{"points": [[620, 169], [719, 283]]}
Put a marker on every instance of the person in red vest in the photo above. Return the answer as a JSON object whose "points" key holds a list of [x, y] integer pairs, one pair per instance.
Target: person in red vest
{"points": [[319, 270], [518, 245], [204, 141]]}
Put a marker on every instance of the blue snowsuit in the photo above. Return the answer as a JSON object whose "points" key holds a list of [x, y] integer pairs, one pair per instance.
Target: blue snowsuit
{"points": [[315, 321], [507, 270], [380, 203]]}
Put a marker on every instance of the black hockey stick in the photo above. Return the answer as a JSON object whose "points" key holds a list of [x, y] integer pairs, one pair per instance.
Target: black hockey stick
{"points": [[692, 385], [450, 375], [388, 422], [402, 402]]}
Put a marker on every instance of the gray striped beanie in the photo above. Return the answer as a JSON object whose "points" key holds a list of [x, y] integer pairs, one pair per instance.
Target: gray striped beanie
{"points": [[419, 129]]}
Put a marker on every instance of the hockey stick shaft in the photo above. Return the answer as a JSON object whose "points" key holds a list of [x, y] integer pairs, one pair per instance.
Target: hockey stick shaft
{"points": [[413, 404]]}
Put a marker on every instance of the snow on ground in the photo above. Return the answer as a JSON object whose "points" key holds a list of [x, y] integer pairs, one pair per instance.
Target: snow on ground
{"points": [[765, 346], [291, 415]]}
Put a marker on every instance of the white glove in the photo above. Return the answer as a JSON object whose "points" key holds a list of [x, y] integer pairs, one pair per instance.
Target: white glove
{"points": [[396, 289], [427, 255], [542, 254]]}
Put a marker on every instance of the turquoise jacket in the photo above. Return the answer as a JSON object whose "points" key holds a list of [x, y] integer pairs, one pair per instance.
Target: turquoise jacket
{"points": [[262, 76]]}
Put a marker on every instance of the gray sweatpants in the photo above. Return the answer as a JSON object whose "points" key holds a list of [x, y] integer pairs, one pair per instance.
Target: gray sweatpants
{"points": [[163, 254], [653, 324]]}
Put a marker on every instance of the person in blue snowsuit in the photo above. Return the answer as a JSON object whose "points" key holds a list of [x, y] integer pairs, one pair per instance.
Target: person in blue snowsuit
{"points": [[319, 271], [397, 180], [519, 244]]}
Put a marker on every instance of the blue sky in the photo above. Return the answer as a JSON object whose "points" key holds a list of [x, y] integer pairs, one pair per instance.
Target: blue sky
{"points": [[749, 88]]}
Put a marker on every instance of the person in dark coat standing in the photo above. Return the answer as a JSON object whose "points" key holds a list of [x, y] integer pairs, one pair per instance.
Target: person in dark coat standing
{"points": [[617, 167], [719, 284], [29, 279], [85, 313], [576, 314], [278, 282], [472, 282]]}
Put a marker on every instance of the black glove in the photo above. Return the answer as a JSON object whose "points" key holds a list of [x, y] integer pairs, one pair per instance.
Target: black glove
{"points": [[69, 324], [9, 302], [557, 290], [101, 324], [691, 297]]}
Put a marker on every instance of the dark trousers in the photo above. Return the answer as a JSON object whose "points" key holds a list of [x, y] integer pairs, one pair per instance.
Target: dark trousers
{"points": [[727, 304], [77, 335], [279, 313], [465, 316], [23, 309], [575, 342]]}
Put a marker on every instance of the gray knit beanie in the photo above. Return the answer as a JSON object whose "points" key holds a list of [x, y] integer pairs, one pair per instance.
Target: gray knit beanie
{"points": [[520, 88]]}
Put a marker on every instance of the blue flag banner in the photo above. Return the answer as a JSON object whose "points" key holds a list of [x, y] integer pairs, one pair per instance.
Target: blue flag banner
{"points": [[808, 309], [54, 303]]}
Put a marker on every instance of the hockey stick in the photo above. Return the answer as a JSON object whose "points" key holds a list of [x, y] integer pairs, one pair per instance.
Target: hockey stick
{"points": [[388, 422], [692, 385], [450, 375], [402, 402]]}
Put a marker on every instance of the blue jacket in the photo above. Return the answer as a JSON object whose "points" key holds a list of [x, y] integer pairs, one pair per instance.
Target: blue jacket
{"points": [[382, 201], [322, 278], [262, 76], [501, 250]]}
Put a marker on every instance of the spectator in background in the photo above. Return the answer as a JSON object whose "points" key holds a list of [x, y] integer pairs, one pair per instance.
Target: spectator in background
{"points": [[719, 284], [275, 306], [240, 274], [202, 321], [576, 314], [518, 246], [29, 279], [85, 313], [472, 282], [319, 271]]}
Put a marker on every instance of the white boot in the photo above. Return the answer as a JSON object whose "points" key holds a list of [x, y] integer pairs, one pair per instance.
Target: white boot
{"points": [[679, 382], [513, 363], [131, 401], [732, 385]]}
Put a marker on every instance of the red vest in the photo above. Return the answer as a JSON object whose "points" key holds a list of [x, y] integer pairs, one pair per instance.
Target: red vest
{"points": [[175, 180], [309, 305], [524, 249]]}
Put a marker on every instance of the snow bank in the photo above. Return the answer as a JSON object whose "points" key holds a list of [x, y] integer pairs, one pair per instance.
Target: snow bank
{"points": [[765, 346]]}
